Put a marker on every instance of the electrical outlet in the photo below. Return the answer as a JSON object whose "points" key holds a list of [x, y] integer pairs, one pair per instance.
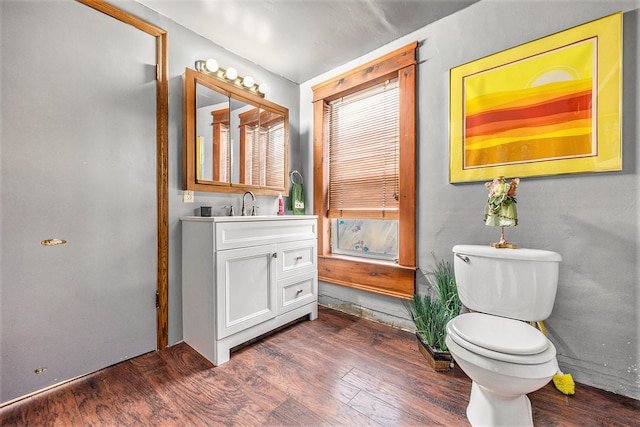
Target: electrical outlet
{"points": [[187, 196]]}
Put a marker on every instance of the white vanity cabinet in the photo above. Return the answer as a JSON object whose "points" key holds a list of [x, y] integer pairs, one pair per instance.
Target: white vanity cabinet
{"points": [[245, 276]]}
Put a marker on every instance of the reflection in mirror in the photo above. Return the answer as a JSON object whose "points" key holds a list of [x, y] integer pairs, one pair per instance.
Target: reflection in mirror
{"points": [[239, 109], [212, 136], [273, 125], [262, 147]]}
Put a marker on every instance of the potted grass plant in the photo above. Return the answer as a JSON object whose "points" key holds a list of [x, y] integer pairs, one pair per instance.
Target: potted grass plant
{"points": [[432, 311]]}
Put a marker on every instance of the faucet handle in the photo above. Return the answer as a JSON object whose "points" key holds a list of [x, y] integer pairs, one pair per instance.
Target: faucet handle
{"points": [[253, 210], [231, 212]]}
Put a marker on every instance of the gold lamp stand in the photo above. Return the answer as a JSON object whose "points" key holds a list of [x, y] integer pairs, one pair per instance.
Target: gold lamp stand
{"points": [[503, 242]]}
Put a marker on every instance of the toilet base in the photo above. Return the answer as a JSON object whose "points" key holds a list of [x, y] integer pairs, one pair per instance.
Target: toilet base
{"points": [[489, 409]]}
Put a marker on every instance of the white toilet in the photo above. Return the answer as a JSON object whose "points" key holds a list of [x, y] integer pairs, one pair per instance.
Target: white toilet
{"points": [[504, 357]]}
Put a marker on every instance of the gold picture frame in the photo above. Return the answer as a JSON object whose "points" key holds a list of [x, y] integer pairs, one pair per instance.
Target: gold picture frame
{"points": [[547, 107]]}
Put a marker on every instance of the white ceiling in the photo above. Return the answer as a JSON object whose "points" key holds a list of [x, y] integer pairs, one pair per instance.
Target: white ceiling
{"points": [[301, 39]]}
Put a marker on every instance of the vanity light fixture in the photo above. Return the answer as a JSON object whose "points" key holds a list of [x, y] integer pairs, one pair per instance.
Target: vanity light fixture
{"points": [[230, 75], [211, 65], [248, 81]]}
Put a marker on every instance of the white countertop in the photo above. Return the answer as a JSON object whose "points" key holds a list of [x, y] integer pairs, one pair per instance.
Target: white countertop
{"points": [[246, 218]]}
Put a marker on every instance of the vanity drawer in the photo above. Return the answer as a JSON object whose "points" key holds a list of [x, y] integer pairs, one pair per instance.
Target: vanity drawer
{"points": [[296, 258], [241, 234], [297, 291]]}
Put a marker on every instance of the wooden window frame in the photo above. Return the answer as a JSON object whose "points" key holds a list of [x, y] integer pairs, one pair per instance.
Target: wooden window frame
{"points": [[395, 280], [220, 118]]}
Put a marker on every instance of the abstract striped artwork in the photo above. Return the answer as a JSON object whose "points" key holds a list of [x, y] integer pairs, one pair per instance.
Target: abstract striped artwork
{"points": [[535, 109], [547, 107]]}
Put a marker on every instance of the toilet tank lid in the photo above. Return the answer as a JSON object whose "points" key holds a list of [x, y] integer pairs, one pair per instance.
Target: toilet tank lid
{"points": [[505, 253]]}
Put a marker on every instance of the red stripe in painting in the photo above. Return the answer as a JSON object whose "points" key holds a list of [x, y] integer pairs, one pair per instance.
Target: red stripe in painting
{"points": [[506, 125], [574, 103]]}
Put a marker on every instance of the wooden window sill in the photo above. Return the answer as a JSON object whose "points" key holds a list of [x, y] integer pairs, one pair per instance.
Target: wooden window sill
{"points": [[368, 275]]}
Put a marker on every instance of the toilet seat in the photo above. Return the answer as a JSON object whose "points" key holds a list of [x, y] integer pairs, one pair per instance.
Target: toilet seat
{"points": [[502, 339]]}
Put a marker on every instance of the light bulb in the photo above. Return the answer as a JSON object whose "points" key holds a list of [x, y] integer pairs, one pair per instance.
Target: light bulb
{"points": [[231, 73], [248, 81], [212, 65], [263, 88]]}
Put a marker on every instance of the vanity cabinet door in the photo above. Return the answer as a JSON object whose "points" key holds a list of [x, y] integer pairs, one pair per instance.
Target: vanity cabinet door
{"points": [[246, 288]]}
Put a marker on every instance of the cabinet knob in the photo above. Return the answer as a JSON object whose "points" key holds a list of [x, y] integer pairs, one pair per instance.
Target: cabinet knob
{"points": [[274, 255], [299, 291], [299, 257]]}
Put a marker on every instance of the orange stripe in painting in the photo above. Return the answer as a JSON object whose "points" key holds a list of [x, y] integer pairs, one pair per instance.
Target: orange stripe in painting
{"points": [[528, 96], [576, 127], [527, 151], [530, 102], [579, 102], [495, 128], [529, 135]]}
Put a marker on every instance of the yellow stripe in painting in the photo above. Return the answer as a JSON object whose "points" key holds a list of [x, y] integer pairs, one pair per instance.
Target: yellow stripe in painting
{"points": [[518, 133], [549, 90], [518, 74], [495, 141], [520, 152], [522, 97]]}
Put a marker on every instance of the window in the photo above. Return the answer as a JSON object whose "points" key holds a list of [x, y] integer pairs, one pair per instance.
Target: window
{"points": [[221, 145], [273, 128], [368, 238], [363, 138], [262, 142], [364, 181]]}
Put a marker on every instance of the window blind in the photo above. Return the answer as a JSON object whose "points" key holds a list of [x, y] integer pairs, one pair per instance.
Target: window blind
{"points": [[225, 165], [253, 155], [264, 150], [363, 153], [275, 153]]}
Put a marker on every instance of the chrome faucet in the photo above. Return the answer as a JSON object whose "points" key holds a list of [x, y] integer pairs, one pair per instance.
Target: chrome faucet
{"points": [[244, 209]]}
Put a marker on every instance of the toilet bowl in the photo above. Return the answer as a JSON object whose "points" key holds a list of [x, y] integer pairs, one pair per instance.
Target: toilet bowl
{"points": [[506, 359]]}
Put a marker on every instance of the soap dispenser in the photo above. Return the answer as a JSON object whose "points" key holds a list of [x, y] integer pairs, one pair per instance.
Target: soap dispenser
{"points": [[280, 204]]}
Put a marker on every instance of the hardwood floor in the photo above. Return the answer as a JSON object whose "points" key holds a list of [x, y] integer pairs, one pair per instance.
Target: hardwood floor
{"points": [[337, 370]]}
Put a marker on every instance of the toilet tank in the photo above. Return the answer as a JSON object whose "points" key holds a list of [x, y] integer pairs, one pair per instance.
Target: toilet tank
{"points": [[515, 283]]}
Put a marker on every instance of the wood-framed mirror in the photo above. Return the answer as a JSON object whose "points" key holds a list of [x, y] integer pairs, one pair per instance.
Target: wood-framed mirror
{"points": [[233, 140]]}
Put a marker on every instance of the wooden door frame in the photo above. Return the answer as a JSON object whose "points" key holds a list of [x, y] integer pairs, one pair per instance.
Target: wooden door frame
{"points": [[162, 157]]}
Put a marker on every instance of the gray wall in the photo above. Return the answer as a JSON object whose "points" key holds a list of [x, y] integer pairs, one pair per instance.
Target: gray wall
{"points": [[590, 219], [185, 47]]}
